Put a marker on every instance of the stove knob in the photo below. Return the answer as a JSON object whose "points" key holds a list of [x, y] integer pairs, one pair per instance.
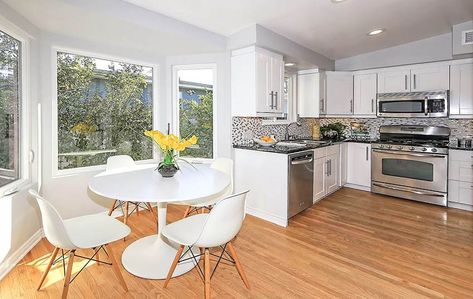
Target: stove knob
{"points": [[412, 148], [400, 147], [434, 150], [424, 149], [381, 146], [389, 146]]}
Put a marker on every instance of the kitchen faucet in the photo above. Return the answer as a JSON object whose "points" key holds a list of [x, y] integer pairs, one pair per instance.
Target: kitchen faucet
{"points": [[287, 136]]}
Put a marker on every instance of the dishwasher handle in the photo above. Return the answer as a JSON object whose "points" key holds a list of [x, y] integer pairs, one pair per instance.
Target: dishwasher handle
{"points": [[304, 161]]}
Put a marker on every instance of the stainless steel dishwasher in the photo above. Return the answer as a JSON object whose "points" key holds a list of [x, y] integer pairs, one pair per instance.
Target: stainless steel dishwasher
{"points": [[300, 182]]}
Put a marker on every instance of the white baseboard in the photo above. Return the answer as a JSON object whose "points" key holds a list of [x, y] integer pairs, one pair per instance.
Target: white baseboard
{"points": [[266, 216], [9, 263], [460, 206], [358, 187]]}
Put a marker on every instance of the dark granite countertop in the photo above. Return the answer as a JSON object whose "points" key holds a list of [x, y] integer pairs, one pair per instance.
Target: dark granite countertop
{"points": [[289, 150]]}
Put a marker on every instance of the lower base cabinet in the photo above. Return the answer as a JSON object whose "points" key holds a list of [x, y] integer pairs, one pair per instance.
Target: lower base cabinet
{"points": [[460, 179], [326, 171], [359, 165]]}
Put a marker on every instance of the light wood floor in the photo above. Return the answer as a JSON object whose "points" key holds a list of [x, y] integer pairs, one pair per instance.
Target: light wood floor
{"points": [[351, 244]]}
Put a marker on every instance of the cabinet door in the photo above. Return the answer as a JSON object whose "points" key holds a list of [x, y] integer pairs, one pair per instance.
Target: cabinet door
{"points": [[339, 93], [460, 192], [461, 89], [343, 164], [359, 164], [430, 78], [364, 94], [277, 79], [264, 101], [394, 81], [308, 95], [319, 178], [332, 173], [323, 93]]}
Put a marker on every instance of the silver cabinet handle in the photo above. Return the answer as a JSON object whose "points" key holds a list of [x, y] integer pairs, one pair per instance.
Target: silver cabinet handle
{"points": [[326, 168], [426, 106], [367, 154], [298, 162], [276, 100], [372, 105], [415, 83], [322, 105], [405, 82], [271, 106], [351, 106], [330, 167], [407, 190]]}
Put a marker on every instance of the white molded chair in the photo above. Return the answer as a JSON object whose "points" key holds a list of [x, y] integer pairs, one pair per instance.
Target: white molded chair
{"points": [[224, 165], [215, 229], [125, 162], [85, 232]]}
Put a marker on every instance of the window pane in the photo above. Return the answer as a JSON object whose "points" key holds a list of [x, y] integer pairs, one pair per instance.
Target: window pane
{"points": [[196, 110], [103, 109], [10, 75]]}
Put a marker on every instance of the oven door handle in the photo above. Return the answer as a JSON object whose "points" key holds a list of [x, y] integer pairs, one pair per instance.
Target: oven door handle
{"points": [[408, 190], [409, 154]]}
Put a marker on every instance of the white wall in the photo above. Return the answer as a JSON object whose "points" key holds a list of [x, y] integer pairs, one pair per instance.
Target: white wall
{"points": [[436, 48], [19, 215]]}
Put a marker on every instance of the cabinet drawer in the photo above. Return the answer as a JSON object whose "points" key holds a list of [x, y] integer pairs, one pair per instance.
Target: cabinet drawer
{"points": [[333, 149], [460, 192], [459, 155], [320, 153], [461, 171]]}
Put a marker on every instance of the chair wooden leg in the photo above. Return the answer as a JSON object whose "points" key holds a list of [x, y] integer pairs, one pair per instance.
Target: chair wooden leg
{"points": [[187, 212], [153, 214], [125, 219], [238, 265], [51, 261], [137, 208], [67, 279], [207, 273], [116, 267], [173, 265], [112, 208], [97, 256]]}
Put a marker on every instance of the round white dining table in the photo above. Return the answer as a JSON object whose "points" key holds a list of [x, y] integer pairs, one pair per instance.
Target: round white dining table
{"points": [[151, 256]]}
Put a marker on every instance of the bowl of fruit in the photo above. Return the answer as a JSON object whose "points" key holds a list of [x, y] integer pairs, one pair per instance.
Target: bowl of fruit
{"points": [[265, 141]]}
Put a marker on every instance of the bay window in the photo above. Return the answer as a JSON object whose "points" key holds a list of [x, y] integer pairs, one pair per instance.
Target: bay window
{"points": [[103, 108]]}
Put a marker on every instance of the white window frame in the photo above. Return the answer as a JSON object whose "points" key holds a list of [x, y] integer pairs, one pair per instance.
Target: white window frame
{"points": [[55, 142], [175, 104], [24, 179]]}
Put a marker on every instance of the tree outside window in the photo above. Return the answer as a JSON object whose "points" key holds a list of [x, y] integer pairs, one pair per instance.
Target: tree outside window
{"points": [[103, 109]]}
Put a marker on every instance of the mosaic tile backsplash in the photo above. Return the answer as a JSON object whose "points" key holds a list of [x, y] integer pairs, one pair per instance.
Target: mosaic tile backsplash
{"points": [[247, 128]]}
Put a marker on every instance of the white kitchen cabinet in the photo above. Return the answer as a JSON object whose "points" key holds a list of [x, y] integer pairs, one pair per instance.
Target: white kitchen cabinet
{"points": [[364, 94], [460, 179], [461, 89], [343, 164], [326, 171], [430, 78], [309, 97], [257, 77], [394, 81], [339, 93], [359, 165], [319, 179]]}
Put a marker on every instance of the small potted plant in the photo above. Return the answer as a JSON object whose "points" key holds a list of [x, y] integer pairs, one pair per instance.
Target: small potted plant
{"points": [[169, 145]]}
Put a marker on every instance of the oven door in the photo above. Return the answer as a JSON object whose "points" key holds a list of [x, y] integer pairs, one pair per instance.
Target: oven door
{"points": [[416, 170]]}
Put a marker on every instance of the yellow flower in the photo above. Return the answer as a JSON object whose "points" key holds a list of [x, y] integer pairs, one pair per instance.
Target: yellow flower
{"points": [[171, 141]]}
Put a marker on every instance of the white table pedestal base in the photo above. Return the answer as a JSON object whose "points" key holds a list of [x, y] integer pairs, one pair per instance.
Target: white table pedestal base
{"points": [[151, 257]]}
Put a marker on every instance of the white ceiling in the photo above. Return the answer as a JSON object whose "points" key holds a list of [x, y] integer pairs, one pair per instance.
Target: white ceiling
{"points": [[334, 30]]}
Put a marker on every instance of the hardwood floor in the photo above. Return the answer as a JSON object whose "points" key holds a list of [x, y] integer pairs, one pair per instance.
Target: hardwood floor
{"points": [[351, 244]]}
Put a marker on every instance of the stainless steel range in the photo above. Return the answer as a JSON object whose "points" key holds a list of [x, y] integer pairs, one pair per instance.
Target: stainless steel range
{"points": [[411, 162]]}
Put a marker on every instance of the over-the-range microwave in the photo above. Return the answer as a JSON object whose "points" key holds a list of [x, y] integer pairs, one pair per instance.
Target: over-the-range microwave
{"points": [[413, 104]]}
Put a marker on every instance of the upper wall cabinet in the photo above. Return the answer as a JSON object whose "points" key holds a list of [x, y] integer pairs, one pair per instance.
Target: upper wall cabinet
{"points": [[339, 93], [310, 87], [422, 78], [461, 89], [364, 94], [257, 77]]}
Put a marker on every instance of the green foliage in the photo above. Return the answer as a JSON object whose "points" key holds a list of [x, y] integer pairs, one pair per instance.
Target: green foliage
{"points": [[196, 118], [333, 131], [91, 119], [9, 99]]}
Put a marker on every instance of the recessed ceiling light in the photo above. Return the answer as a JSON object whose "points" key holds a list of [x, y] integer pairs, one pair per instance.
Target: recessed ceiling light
{"points": [[290, 64], [376, 31], [337, 1]]}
